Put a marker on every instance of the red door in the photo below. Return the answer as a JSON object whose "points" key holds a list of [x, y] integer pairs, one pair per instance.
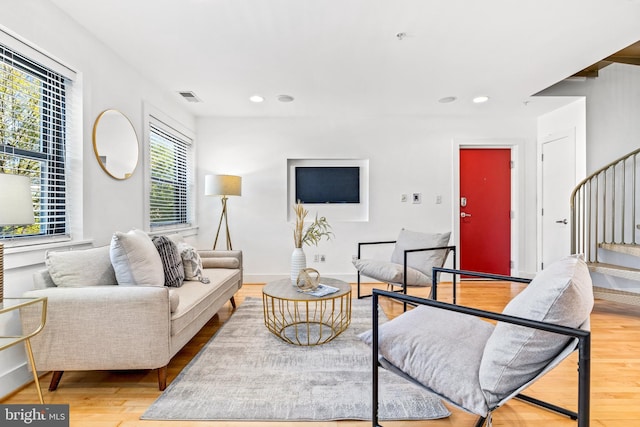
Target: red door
{"points": [[485, 210]]}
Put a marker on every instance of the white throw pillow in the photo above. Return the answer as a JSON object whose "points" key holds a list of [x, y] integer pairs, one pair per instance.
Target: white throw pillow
{"points": [[192, 263], [87, 267], [135, 259]]}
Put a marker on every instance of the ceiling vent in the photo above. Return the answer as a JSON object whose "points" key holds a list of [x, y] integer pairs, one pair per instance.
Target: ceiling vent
{"points": [[190, 96]]}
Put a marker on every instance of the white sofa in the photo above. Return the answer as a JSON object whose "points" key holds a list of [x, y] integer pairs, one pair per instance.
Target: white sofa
{"points": [[95, 323]]}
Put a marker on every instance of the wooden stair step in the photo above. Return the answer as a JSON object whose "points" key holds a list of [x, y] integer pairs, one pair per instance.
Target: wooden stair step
{"points": [[623, 248], [615, 270]]}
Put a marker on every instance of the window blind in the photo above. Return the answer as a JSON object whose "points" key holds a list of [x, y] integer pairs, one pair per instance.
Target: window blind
{"points": [[170, 202], [33, 117]]}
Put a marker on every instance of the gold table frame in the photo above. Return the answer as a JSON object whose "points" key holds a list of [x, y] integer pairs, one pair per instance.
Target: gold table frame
{"points": [[306, 320], [11, 304]]}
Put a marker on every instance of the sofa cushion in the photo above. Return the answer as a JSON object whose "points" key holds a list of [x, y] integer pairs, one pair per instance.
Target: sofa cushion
{"points": [[196, 297], [422, 261], [171, 261], [389, 272], [192, 263], [419, 343], [87, 267], [561, 294], [135, 259]]}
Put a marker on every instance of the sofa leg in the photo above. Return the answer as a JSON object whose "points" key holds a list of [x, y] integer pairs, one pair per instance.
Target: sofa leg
{"points": [[162, 378], [55, 380], [233, 302]]}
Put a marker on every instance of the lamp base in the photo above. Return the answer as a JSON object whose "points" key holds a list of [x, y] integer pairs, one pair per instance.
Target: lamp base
{"points": [[226, 224]]}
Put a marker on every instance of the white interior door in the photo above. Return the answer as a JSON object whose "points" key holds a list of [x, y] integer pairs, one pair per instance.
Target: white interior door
{"points": [[558, 181]]}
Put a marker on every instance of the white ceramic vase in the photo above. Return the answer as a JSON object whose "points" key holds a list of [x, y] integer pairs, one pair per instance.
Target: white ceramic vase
{"points": [[298, 262]]}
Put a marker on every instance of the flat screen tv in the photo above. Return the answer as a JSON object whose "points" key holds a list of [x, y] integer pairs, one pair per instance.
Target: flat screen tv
{"points": [[328, 184]]}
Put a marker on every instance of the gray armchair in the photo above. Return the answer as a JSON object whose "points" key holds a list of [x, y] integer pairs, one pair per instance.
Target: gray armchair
{"points": [[412, 260], [478, 366]]}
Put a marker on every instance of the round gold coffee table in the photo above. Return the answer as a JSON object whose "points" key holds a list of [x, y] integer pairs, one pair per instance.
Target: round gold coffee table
{"points": [[302, 319]]}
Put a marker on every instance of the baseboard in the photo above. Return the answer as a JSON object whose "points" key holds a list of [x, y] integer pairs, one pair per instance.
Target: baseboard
{"points": [[13, 380]]}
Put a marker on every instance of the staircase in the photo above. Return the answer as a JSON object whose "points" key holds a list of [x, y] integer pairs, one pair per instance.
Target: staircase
{"points": [[605, 227]]}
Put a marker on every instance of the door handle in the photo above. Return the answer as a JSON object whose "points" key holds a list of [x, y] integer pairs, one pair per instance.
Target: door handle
{"points": [[464, 214], [562, 221]]}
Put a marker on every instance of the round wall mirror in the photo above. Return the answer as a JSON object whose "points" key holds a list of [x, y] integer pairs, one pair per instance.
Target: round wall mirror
{"points": [[115, 144]]}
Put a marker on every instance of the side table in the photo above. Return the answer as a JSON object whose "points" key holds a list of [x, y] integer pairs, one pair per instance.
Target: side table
{"points": [[11, 304], [302, 319]]}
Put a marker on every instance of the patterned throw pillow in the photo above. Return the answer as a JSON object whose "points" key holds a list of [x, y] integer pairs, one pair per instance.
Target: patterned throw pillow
{"points": [[171, 261], [192, 263]]}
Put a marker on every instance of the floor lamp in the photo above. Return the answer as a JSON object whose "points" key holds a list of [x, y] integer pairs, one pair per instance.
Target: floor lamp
{"points": [[223, 185], [16, 208]]}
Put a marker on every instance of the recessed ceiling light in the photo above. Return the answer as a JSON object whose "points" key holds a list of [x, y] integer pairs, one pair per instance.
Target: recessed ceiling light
{"points": [[285, 98], [447, 99], [256, 98], [480, 99]]}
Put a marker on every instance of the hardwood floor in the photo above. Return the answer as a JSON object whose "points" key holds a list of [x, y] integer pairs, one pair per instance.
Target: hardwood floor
{"points": [[109, 399]]}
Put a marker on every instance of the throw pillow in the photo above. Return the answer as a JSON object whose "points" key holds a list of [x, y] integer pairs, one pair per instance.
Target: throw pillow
{"points": [[171, 261], [87, 267], [439, 349], [422, 261], [390, 272], [561, 294], [192, 263], [135, 259]]}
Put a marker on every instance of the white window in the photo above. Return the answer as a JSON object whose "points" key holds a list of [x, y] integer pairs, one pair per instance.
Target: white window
{"points": [[171, 170], [34, 114]]}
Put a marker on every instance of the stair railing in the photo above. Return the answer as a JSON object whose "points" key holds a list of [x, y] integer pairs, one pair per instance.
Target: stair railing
{"points": [[603, 207]]}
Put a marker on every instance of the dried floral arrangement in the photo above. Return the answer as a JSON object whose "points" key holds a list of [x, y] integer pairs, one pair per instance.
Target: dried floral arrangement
{"points": [[312, 235]]}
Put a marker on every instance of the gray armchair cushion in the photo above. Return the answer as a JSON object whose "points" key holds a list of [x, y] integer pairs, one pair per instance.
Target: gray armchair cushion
{"points": [[561, 294], [439, 349], [421, 261], [389, 272]]}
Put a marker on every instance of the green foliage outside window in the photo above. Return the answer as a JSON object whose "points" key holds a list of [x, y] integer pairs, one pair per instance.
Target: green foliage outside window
{"points": [[20, 132]]}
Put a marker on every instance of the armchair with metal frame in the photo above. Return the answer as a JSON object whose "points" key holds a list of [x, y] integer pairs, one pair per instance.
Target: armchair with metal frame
{"points": [[579, 340], [402, 280]]}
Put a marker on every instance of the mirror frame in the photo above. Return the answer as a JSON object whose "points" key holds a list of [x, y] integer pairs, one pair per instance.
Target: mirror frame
{"points": [[96, 142]]}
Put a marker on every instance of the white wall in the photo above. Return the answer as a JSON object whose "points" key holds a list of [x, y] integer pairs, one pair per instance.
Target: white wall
{"points": [[104, 203], [406, 155], [612, 111], [612, 131]]}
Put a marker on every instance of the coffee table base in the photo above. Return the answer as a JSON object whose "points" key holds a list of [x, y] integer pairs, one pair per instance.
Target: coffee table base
{"points": [[307, 322]]}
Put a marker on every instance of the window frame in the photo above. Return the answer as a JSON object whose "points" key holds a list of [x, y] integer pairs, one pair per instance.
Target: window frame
{"points": [[56, 136], [168, 125]]}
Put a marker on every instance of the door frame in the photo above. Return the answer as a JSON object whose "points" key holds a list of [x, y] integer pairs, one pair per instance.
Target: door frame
{"points": [[514, 146], [580, 171]]}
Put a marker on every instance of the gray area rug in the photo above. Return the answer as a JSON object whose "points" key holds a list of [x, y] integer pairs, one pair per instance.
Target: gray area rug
{"points": [[246, 373]]}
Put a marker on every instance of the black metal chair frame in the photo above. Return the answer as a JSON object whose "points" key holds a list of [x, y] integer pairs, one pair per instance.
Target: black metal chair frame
{"points": [[583, 346], [404, 275]]}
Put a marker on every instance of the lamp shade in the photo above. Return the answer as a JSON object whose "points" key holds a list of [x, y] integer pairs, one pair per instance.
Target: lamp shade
{"points": [[222, 185], [16, 205]]}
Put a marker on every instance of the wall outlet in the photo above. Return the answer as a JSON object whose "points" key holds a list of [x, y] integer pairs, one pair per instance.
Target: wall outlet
{"points": [[323, 258], [417, 198], [438, 200], [316, 258], [403, 198], [354, 257]]}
